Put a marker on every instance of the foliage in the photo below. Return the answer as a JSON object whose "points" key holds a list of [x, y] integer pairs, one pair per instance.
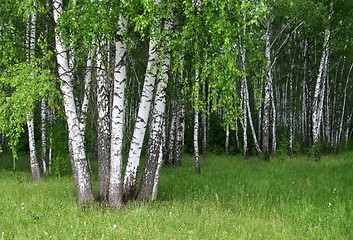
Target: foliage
{"points": [[22, 85], [61, 159]]}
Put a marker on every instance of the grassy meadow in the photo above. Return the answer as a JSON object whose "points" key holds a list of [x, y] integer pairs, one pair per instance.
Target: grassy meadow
{"points": [[233, 198]]}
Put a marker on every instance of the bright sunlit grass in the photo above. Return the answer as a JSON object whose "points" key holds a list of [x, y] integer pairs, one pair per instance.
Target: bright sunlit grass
{"points": [[294, 198]]}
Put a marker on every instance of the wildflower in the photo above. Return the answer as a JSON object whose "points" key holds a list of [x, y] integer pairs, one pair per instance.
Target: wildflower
{"points": [[114, 226]]}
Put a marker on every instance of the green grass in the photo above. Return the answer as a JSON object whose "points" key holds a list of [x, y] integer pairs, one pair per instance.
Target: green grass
{"points": [[294, 198]]}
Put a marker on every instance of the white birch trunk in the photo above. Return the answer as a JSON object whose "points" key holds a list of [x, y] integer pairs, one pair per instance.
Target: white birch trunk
{"points": [[118, 110], [159, 167], [244, 106], [180, 129], [43, 135], [227, 140], [335, 129], [51, 116], [260, 113], [180, 123], [155, 140], [328, 113], [304, 97], [76, 136], [316, 107], [267, 100], [244, 120], [154, 156], [236, 133], [274, 116], [103, 131], [35, 169], [130, 178], [196, 122], [247, 102], [291, 122], [344, 106], [348, 135], [86, 93], [172, 135], [158, 170], [322, 100], [204, 121]]}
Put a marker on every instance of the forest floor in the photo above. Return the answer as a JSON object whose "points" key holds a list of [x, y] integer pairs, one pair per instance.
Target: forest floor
{"points": [[232, 198]]}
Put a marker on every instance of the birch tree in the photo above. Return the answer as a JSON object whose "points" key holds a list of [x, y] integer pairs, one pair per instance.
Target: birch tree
{"points": [[35, 169], [318, 88], [76, 136], [117, 126], [103, 123], [130, 178], [196, 121], [150, 176], [43, 135], [268, 86]]}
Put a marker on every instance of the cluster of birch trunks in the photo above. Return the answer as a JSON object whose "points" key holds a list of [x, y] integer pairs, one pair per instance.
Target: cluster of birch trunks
{"points": [[304, 98]]}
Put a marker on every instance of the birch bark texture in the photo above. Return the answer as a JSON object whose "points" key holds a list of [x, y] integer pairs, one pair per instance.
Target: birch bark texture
{"points": [[117, 124], [76, 136], [196, 121], [130, 178], [154, 156], [316, 116], [172, 134], [268, 85], [35, 169], [155, 138], [320, 85], [43, 135], [103, 124]]}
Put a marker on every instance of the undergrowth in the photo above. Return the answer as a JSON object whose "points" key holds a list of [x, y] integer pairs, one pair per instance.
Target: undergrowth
{"points": [[232, 198]]}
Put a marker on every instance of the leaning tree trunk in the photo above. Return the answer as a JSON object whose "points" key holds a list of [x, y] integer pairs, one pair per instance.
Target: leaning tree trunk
{"points": [[130, 178], [86, 91], [154, 156], [316, 116], [103, 131], [118, 110], [257, 146], [76, 136], [159, 167], [340, 133], [155, 138], [244, 121], [318, 88], [246, 103]]}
